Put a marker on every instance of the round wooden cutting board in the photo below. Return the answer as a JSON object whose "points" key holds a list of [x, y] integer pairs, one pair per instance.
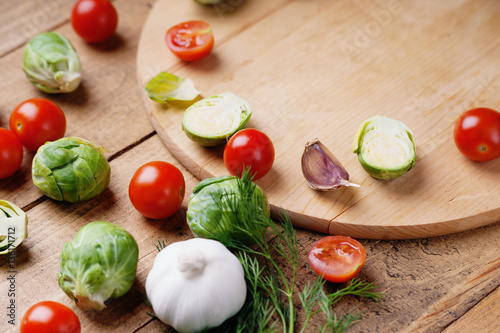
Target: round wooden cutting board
{"points": [[319, 68]]}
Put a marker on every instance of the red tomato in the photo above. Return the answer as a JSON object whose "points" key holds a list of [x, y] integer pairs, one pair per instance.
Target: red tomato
{"points": [[50, 317], [477, 134], [94, 20], [249, 148], [191, 40], [337, 258], [11, 153], [157, 189], [36, 121]]}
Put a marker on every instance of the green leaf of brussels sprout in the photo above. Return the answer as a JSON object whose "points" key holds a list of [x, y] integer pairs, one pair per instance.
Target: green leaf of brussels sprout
{"points": [[165, 87], [98, 265], [208, 213], [385, 147], [211, 121], [70, 169], [13, 226], [50, 62]]}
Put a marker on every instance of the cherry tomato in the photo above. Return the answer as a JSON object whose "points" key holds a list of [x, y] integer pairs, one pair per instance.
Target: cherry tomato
{"points": [[249, 148], [50, 317], [36, 121], [190, 41], [94, 20], [337, 258], [477, 134], [11, 153], [157, 189]]}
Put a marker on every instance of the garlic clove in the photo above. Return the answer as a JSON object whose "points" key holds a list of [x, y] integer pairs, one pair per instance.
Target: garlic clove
{"points": [[322, 170]]}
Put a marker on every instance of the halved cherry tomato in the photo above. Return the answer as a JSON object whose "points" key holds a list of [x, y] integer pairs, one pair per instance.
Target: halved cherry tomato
{"points": [[190, 41], [36, 121], [337, 258], [11, 153], [94, 20], [249, 148], [157, 189], [477, 134], [50, 317]]}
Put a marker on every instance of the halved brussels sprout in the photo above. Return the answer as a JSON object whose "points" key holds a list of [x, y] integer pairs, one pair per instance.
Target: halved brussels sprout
{"points": [[50, 62], [13, 226], [70, 169], [98, 265], [385, 147], [211, 121]]}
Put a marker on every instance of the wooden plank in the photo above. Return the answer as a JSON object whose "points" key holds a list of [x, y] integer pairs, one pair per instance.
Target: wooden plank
{"points": [[27, 18], [106, 108], [52, 224], [428, 282], [483, 317], [330, 84]]}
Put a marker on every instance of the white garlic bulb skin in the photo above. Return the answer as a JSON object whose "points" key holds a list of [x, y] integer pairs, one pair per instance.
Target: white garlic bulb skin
{"points": [[196, 284]]}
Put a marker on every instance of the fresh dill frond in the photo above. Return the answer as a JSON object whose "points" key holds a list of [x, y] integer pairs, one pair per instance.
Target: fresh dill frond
{"points": [[269, 306], [340, 324], [356, 287], [161, 245]]}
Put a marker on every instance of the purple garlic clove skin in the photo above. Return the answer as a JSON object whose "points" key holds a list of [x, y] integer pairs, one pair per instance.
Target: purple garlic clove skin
{"points": [[322, 170]]}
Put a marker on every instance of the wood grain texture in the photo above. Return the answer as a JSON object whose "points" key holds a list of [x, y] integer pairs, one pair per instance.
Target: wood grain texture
{"points": [[421, 63], [486, 317], [28, 18], [103, 110], [446, 283]]}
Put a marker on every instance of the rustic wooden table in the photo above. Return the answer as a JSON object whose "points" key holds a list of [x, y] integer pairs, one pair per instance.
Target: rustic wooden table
{"points": [[441, 284]]}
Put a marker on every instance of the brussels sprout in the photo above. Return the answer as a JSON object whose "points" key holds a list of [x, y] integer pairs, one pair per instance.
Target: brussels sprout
{"points": [[70, 169], [13, 226], [98, 265], [211, 121], [169, 87], [385, 147], [50, 62], [212, 205]]}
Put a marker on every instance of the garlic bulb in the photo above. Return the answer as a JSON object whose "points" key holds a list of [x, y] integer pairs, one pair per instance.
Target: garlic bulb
{"points": [[322, 170], [195, 285]]}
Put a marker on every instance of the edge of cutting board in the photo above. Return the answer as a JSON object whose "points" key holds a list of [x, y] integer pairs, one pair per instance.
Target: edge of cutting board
{"points": [[353, 220]]}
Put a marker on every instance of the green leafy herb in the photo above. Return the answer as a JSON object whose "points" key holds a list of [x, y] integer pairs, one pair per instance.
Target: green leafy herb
{"points": [[161, 245], [270, 304], [271, 291]]}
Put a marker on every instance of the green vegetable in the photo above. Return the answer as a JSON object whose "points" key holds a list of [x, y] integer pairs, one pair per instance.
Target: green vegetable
{"points": [[211, 121], [13, 226], [165, 87], [50, 62], [385, 147], [98, 265], [70, 169], [208, 220], [271, 288]]}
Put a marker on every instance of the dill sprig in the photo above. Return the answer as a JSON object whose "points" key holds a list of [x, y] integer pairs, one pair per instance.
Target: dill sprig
{"points": [[269, 306], [271, 291], [161, 245]]}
